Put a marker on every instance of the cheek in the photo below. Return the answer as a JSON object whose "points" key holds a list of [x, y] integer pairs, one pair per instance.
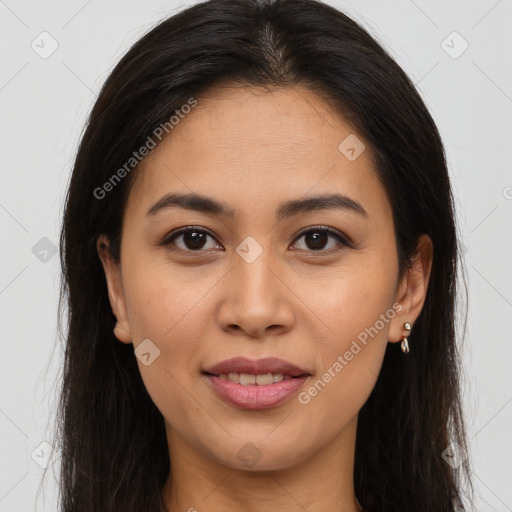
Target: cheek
{"points": [[352, 298], [166, 303], [169, 311], [351, 361], [357, 309]]}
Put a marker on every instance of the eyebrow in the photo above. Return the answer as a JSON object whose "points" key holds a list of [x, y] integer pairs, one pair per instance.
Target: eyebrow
{"points": [[206, 204]]}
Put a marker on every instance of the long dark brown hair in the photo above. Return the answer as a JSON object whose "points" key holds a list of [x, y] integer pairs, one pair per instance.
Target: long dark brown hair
{"points": [[114, 454]]}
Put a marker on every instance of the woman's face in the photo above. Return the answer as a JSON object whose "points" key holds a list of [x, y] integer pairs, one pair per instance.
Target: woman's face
{"points": [[252, 284]]}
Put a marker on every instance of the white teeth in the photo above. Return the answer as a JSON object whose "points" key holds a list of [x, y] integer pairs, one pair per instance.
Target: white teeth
{"points": [[264, 380], [247, 379]]}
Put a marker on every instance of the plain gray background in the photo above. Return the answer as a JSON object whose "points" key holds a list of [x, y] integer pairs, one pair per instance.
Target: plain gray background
{"points": [[44, 101]]}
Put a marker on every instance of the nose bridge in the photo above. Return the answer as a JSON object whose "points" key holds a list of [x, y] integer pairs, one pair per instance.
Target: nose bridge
{"points": [[254, 280], [255, 299]]}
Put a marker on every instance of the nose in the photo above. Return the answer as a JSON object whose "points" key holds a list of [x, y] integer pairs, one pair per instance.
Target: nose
{"points": [[256, 301]]}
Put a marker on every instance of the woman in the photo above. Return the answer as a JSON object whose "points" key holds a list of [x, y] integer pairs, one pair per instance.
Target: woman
{"points": [[259, 259]]}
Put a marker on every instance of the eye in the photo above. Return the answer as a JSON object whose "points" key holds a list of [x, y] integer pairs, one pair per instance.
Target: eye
{"points": [[192, 238], [316, 238]]}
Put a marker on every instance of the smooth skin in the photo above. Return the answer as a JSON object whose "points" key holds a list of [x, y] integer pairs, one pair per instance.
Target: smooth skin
{"points": [[305, 299]]}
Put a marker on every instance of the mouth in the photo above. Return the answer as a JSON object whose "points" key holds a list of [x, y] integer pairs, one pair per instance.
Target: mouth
{"points": [[256, 384], [260, 372]]}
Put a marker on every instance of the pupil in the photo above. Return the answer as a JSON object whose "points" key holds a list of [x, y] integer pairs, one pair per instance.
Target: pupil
{"points": [[194, 239], [317, 238]]}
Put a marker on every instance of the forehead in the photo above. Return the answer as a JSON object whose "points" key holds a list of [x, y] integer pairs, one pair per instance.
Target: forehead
{"points": [[250, 146]]}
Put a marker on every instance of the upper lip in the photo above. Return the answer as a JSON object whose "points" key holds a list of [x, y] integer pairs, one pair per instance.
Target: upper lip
{"points": [[255, 367]]}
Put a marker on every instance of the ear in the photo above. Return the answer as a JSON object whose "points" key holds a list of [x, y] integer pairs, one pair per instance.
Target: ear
{"points": [[412, 289], [115, 290]]}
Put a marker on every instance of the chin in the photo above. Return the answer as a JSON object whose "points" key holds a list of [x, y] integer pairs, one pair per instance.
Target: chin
{"points": [[259, 455]]}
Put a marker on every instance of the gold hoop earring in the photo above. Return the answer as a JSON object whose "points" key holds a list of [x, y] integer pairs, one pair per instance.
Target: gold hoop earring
{"points": [[405, 343]]}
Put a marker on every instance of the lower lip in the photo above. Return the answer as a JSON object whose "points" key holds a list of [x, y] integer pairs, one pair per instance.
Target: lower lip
{"points": [[254, 396]]}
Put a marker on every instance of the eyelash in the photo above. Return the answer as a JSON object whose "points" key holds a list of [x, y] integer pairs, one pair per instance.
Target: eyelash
{"points": [[345, 241]]}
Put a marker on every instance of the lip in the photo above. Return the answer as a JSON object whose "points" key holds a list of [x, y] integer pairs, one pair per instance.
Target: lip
{"points": [[256, 366], [255, 396]]}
